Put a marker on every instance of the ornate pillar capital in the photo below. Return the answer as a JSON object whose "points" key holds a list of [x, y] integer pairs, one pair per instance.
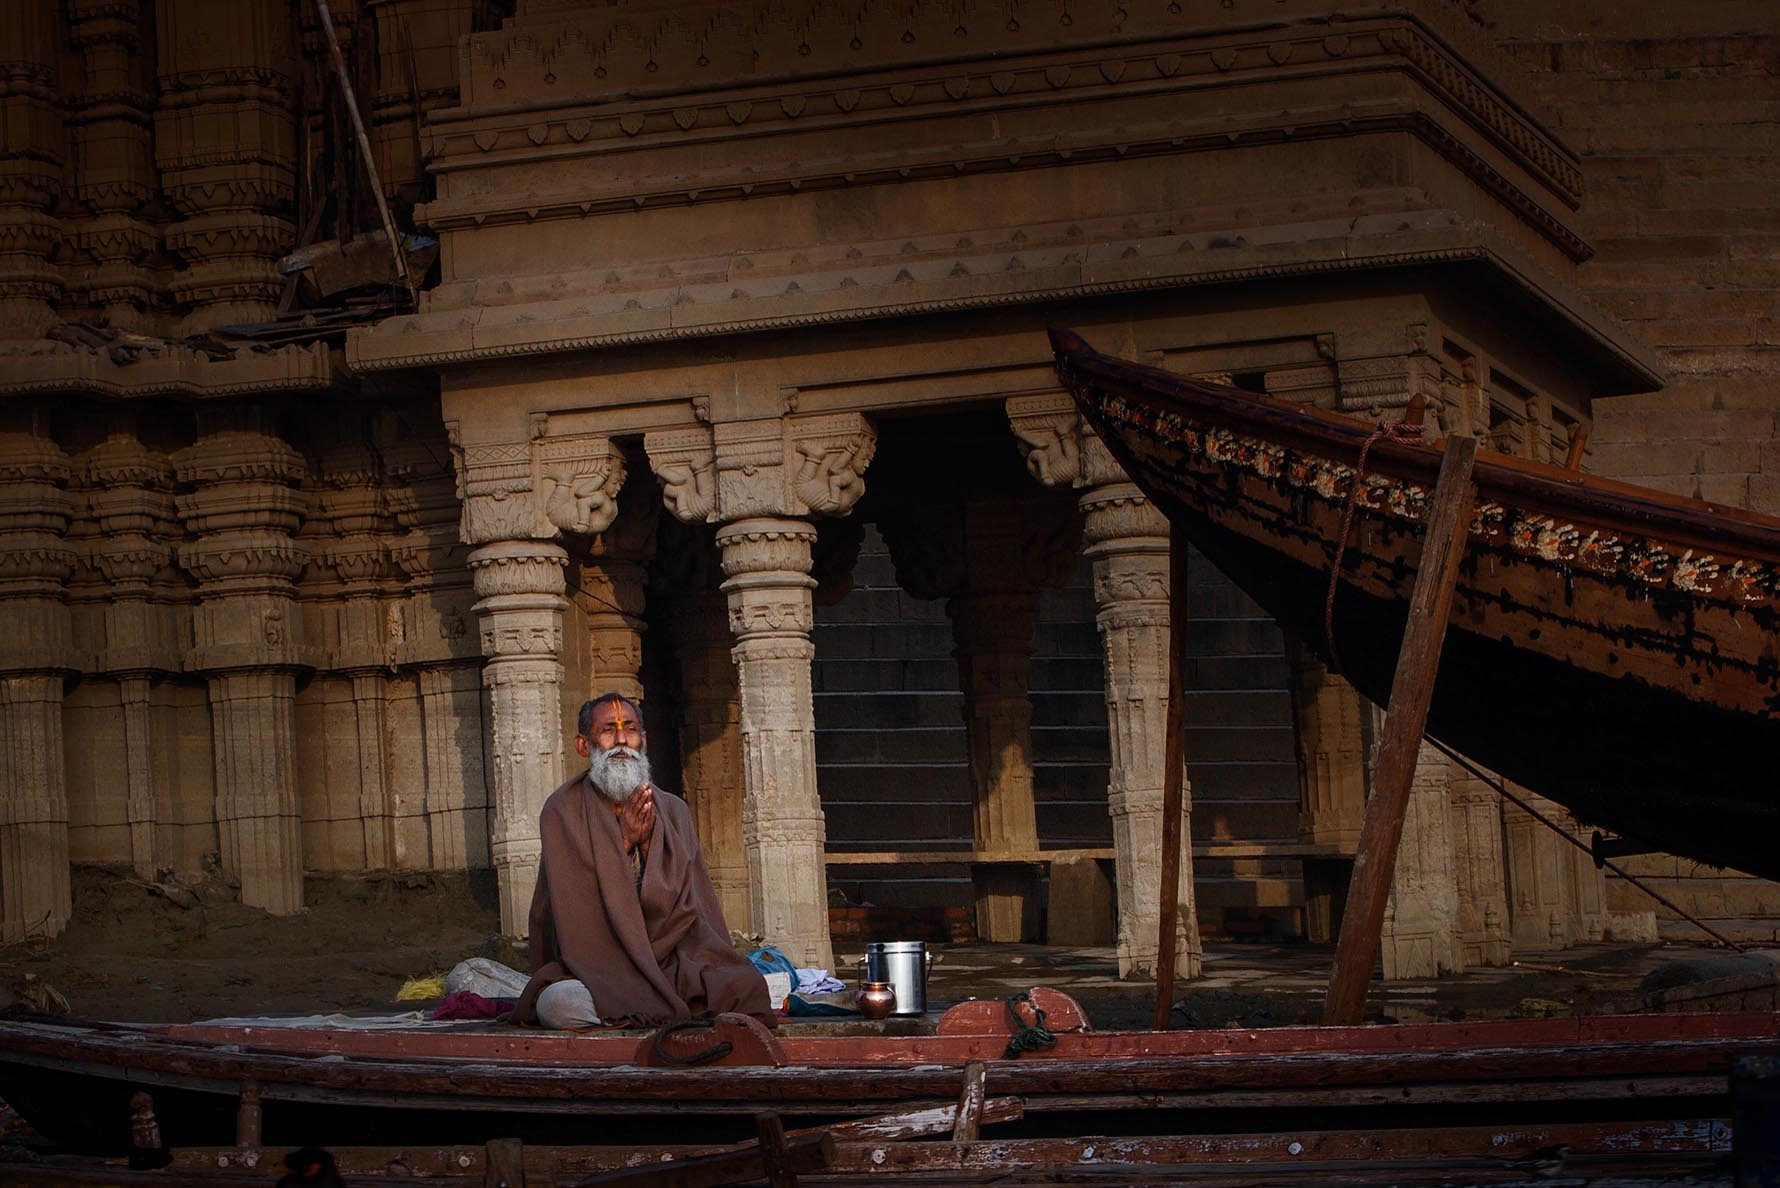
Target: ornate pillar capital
{"points": [[1061, 450], [538, 489], [791, 466]]}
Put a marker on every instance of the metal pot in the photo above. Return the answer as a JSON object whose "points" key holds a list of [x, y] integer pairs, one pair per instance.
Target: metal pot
{"points": [[904, 964], [877, 1000]]}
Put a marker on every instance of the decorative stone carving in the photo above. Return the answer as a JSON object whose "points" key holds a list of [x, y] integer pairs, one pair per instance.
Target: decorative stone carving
{"points": [[768, 583], [35, 651], [1548, 898], [31, 161], [1420, 938], [834, 452], [686, 463], [538, 489], [790, 466], [457, 808], [129, 498], [226, 67], [1127, 540], [241, 502], [114, 159], [578, 482], [1481, 870]]}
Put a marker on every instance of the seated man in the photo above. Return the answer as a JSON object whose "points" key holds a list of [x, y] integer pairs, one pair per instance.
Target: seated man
{"points": [[625, 925]]}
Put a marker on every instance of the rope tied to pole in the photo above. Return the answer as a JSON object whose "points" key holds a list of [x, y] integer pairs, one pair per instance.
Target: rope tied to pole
{"points": [[1027, 1037], [1398, 431]]}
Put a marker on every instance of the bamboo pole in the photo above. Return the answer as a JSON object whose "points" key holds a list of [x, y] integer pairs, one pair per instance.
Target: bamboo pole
{"points": [[364, 146]]}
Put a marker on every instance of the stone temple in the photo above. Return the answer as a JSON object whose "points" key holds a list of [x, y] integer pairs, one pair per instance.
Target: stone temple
{"points": [[712, 369]]}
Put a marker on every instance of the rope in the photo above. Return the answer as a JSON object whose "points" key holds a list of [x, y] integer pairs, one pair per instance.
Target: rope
{"points": [[716, 1051], [1496, 783], [1386, 430], [1027, 1038]]}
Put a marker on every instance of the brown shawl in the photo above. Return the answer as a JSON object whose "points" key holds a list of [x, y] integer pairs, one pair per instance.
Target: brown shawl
{"points": [[647, 956]]}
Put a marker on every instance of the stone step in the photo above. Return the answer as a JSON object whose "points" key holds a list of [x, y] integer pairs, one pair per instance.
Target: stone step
{"points": [[889, 710], [895, 676]]}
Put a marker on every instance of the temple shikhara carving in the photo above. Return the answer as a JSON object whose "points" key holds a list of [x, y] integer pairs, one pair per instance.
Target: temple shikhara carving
{"points": [[719, 377]]}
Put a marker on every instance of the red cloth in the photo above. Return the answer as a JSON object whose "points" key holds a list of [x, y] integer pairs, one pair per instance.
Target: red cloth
{"points": [[647, 955], [467, 1004]]}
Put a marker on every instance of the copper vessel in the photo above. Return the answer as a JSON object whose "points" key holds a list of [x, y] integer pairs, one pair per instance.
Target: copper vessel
{"points": [[876, 999]]}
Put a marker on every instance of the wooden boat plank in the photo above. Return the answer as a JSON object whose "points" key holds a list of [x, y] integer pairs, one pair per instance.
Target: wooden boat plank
{"points": [[557, 1048], [1330, 1156], [1442, 1145], [99, 1053]]}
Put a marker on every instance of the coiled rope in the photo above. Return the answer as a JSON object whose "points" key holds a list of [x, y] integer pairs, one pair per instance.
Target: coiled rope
{"points": [[716, 1051], [1027, 1037]]}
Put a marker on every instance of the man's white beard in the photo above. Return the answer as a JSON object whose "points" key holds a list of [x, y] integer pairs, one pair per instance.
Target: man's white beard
{"points": [[617, 772]]}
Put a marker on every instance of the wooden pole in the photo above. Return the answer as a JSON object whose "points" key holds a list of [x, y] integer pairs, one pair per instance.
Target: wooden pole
{"points": [[1173, 774], [364, 146], [1412, 688]]}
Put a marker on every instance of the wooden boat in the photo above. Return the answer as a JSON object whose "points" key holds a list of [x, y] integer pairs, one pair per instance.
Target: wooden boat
{"points": [[1309, 1099], [1611, 647]]}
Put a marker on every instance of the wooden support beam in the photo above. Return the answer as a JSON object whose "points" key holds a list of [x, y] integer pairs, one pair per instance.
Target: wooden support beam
{"points": [[970, 1103], [1412, 688], [773, 1151], [1173, 775], [503, 1164]]}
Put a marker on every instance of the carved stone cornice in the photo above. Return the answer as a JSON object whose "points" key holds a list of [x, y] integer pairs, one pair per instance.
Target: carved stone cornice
{"points": [[238, 455], [747, 68]]}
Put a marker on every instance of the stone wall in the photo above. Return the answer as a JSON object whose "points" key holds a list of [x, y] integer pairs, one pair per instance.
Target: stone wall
{"points": [[1675, 110]]}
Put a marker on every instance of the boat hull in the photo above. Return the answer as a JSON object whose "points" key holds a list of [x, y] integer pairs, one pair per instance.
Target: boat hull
{"points": [[1611, 648]]}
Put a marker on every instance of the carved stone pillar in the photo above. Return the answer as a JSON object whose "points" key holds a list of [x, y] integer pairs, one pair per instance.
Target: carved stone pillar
{"points": [[761, 479], [350, 498], [766, 563], [686, 580], [225, 139], [242, 504], [431, 628], [35, 656], [31, 161], [614, 575], [114, 173], [994, 638], [988, 555], [516, 497], [1481, 871], [1421, 926], [130, 497], [1127, 539], [1540, 889], [520, 586], [1331, 746]]}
